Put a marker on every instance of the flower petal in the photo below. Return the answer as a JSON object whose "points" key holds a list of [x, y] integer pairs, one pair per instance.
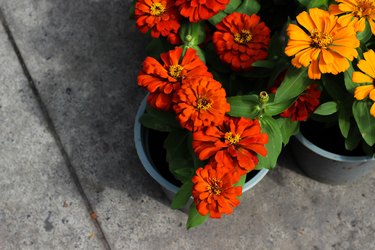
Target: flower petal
{"points": [[362, 92]]}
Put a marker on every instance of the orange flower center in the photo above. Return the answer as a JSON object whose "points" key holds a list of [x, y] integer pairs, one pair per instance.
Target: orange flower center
{"points": [[364, 8], [320, 40], [157, 9], [175, 71], [243, 37], [232, 139], [203, 103], [215, 186]]}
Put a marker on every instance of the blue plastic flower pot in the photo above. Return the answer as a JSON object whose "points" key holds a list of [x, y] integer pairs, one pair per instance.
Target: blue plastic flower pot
{"points": [[328, 167], [140, 134]]}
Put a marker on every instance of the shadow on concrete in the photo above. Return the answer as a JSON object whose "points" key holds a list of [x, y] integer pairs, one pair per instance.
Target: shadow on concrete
{"points": [[84, 57], [287, 160], [286, 163]]}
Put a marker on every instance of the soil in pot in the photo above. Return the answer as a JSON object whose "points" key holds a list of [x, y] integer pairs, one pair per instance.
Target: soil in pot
{"points": [[328, 138], [158, 156]]}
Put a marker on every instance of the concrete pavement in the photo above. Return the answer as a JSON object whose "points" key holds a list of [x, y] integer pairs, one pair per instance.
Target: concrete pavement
{"points": [[40, 206], [83, 58]]}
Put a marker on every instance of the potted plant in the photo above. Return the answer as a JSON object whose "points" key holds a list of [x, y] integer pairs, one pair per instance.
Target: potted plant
{"points": [[336, 145], [230, 82], [149, 146]]}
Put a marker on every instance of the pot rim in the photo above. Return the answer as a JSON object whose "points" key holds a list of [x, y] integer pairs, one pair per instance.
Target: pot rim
{"points": [[330, 155], [154, 173]]}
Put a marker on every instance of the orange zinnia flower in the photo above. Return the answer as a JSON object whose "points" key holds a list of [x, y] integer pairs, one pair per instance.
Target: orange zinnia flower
{"points": [[200, 102], [322, 44], [241, 39], [213, 191], [355, 12], [367, 90], [197, 10], [163, 80], [235, 143], [160, 16]]}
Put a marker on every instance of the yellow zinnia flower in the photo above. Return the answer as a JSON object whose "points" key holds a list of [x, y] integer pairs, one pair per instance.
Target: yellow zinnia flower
{"points": [[321, 43], [368, 67], [355, 12]]}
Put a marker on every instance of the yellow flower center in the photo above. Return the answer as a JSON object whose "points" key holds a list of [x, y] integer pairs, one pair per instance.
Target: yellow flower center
{"points": [[157, 9], [243, 37], [364, 8], [321, 40], [215, 186], [232, 139], [203, 103], [175, 71]]}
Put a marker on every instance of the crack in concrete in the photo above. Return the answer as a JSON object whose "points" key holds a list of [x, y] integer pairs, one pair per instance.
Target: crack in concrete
{"points": [[52, 129]]}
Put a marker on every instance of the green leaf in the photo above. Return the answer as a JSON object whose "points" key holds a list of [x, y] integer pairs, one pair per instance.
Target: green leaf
{"points": [[182, 196], [288, 128], [295, 82], [196, 162], [217, 18], [159, 120], [353, 139], [248, 7], [276, 49], [349, 84], [366, 34], [195, 218], [178, 155], [344, 119], [246, 106], [327, 108], [360, 51], [343, 96], [274, 145], [323, 4], [274, 108], [279, 68], [232, 6], [264, 64], [192, 34], [184, 171], [200, 53], [365, 122], [304, 2], [241, 182], [335, 87]]}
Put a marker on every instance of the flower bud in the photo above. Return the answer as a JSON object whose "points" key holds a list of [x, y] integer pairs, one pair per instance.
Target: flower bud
{"points": [[188, 38], [263, 97]]}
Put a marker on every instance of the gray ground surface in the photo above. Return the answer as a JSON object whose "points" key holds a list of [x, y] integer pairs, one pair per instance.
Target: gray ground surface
{"points": [[83, 57]]}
